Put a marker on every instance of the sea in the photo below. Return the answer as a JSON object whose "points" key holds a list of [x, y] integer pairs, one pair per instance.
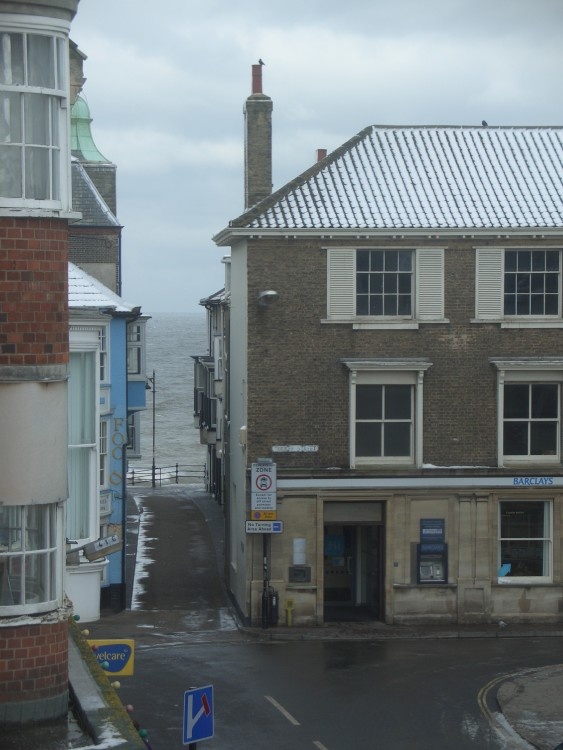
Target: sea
{"points": [[171, 340]]}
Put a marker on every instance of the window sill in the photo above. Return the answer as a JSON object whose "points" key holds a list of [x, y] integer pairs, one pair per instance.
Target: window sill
{"points": [[382, 325], [531, 323], [523, 582]]}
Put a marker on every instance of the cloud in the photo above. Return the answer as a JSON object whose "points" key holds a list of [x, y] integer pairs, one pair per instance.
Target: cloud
{"points": [[166, 92]]}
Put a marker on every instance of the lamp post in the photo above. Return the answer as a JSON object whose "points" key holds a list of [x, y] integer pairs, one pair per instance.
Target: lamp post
{"points": [[152, 386]]}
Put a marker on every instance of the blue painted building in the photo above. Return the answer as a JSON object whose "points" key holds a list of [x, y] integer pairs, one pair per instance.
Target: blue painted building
{"points": [[107, 388]]}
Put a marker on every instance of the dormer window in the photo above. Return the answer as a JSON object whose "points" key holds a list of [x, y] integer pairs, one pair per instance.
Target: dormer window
{"points": [[33, 119]]}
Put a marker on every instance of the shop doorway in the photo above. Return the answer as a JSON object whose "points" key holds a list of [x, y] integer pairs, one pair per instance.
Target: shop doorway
{"points": [[353, 572]]}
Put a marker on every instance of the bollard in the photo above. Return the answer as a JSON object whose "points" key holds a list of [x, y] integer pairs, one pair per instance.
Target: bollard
{"points": [[289, 612]]}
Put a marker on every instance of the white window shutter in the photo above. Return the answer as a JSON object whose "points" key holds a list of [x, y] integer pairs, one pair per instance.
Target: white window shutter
{"points": [[488, 283], [341, 283], [430, 284]]}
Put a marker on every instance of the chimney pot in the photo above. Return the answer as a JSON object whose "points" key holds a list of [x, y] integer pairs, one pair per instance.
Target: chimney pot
{"points": [[256, 79]]}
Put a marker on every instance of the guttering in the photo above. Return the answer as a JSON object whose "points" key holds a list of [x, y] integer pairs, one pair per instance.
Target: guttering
{"points": [[226, 236]]}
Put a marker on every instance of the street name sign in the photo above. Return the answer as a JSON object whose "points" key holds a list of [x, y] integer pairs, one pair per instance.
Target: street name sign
{"points": [[264, 527], [198, 714]]}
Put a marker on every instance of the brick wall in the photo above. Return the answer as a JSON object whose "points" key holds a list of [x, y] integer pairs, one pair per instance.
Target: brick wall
{"points": [[33, 669], [33, 292], [298, 388]]}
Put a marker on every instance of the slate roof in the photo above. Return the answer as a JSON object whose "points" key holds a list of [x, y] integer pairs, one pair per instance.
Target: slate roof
{"points": [[87, 199], [425, 177], [86, 292]]}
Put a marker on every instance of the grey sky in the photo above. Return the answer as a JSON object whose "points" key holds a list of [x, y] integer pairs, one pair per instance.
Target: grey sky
{"points": [[166, 84]]}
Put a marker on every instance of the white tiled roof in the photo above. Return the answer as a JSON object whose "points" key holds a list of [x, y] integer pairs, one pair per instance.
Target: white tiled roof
{"points": [[86, 292], [425, 177]]}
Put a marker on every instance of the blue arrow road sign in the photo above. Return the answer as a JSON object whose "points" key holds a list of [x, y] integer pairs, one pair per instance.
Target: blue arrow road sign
{"points": [[198, 714]]}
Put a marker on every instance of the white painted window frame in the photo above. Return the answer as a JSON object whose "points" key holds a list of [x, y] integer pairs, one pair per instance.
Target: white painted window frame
{"points": [[489, 291], [58, 29], [409, 371], [526, 370], [548, 538], [428, 290]]}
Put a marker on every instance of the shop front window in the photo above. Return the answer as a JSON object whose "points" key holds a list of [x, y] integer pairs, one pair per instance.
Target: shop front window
{"points": [[525, 541]]}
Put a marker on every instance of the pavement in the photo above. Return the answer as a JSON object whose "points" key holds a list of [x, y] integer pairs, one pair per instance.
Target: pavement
{"points": [[163, 572]]}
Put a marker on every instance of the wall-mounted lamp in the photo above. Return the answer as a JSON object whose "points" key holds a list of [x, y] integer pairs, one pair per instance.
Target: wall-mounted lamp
{"points": [[267, 298]]}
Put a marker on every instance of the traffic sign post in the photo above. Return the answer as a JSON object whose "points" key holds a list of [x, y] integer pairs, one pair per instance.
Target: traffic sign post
{"points": [[198, 715], [263, 486]]}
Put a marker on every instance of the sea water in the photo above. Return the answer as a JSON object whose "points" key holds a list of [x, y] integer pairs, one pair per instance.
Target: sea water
{"points": [[171, 340]]}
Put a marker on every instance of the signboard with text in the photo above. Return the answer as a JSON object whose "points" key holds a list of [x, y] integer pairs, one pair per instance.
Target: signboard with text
{"points": [[119, 655], [264, 527], [263, 486]]}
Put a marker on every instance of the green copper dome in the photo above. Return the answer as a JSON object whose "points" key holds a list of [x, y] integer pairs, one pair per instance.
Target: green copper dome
{"points": [[81, 142]]}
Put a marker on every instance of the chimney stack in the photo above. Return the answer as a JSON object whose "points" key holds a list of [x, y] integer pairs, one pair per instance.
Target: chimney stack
{"points": [[321, 153], [257, 142]]}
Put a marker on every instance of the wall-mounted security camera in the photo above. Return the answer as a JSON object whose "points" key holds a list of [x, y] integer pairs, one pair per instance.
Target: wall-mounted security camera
{"points": [[267, 298]]}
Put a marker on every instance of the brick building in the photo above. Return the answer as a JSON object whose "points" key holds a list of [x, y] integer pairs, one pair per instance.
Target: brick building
{"points": [[394, 348], [35, 208]]}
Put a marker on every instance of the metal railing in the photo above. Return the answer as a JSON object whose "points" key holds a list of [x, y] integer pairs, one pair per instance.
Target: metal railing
{"points": [[159, 475]]}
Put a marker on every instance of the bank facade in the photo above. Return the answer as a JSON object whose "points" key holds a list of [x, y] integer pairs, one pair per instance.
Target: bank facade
{"points": [[393, 347]]}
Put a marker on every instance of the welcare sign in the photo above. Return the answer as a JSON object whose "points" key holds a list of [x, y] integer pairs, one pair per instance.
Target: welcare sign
{"points": [[116, 656], [263, 486]]}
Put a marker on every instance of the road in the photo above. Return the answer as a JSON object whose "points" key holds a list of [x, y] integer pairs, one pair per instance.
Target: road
{"points": [[381, 694], [332, 696]]}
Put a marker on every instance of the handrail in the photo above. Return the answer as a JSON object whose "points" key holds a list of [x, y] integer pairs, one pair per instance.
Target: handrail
{"points": [[166, 474]]}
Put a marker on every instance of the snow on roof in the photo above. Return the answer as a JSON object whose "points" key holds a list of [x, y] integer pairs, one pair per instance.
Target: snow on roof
{"points": [[84, 291], [426, 177]]}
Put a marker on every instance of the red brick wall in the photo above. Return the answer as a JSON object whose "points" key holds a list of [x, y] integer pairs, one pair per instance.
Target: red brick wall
{"points": [[33, 662], [33, 292]]}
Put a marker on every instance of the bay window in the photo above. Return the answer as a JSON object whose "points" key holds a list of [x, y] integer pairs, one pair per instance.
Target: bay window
{"points": [[33, 118], [83, 469], [29, 558]]}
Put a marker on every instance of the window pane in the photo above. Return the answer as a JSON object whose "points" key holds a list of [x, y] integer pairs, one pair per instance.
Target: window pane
{"points": [[37, 173], [522, 520], [543, 438], [397, 439], [545, 401], [82, 398], [79, 472], [362, 283], [36, 113], [10, 172], [362, 260], [368, 401], [368, 439], [376, 305], [361, 305], [10, 118], [11, 59], [515, 439], [516, 401], [552, 260], [40, 61], [510, 260], [526, 558], [397, 402]]}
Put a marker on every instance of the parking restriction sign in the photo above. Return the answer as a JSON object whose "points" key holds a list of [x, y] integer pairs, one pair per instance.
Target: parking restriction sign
{"points": [[263, 486]]}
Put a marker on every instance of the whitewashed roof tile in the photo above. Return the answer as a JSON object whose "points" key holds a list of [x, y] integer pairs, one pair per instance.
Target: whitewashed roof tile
{"points": [[86, 292], [426, 177]]}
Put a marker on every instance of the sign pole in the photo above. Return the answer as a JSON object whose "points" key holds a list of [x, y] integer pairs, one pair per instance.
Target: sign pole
{"points": [[265, 579]]}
